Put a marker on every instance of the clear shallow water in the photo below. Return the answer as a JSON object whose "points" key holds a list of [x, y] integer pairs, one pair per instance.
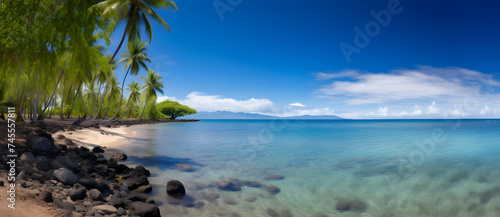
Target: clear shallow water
{"points": [[397, 167]]}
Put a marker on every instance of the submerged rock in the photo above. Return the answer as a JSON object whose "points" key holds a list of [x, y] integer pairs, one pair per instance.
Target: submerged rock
{"points": [[175, 188], [143, 209], [118, 156], [354, 206], [274, 177], [272, 189], [184, 167], [229, 186]]}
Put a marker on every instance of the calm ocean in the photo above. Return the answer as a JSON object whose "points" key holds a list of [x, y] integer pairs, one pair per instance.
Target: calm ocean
{"points": [[392, 167]]}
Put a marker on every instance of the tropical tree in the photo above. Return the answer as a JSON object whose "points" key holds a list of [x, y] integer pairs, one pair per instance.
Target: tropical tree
{"points": [[152, 83], [135, 13], [174, 109], [113, 93], [135, 58], [134, 95]]}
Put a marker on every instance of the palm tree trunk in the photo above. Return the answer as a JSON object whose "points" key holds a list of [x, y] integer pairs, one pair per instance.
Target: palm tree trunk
{"points": [[120, 45], [95, 101], [35, 104], [40, 116], [107, 107], [145, 104], [74, 100], [50, 112], [125, 108], [102, 99], [87, 107], [65, 103], [121, 95]]}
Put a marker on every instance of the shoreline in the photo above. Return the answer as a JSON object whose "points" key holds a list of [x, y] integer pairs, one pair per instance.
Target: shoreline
{"points": [[86, 144]]}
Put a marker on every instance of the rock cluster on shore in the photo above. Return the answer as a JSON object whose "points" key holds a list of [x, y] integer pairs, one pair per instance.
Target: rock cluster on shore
{"points": [[82, 182]]}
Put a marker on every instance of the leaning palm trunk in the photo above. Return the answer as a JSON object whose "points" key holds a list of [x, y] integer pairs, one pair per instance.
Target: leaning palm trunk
{"points": [[95, 101], [121, 95], [74, 100], [62, 103], [107, 107], [125, 110], [100, 104], [87, 107], [40, 116], [35, 105], [145, 104]]}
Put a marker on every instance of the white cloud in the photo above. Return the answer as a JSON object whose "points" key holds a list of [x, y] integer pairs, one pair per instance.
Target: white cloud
{"points": [[330, 75], [163, 98], [456, 113], [423, 84], [432, 109], [209, 103], [297, 104], [485, 110]]}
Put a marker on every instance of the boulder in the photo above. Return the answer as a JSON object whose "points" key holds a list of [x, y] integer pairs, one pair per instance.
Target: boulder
{"points": [[105, 209], [143, 209], [88, 182], [95, 195], [135, 182], [65, 176], [47, 196], [27, 158], [121, 211], [39, 177], [118, 156], [40, 146], [42, 163], [78, 194], [175, 188], [144, 189], [98, 149], [140, 171], [272, 189]]}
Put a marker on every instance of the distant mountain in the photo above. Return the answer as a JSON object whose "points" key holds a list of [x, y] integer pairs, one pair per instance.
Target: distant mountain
{"points": [[242, 115]]}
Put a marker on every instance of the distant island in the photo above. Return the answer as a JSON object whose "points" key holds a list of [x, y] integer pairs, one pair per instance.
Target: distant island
{"points": [[243, 115]]}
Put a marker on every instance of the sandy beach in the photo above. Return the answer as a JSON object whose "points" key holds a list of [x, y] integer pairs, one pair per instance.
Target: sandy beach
{"points": [[111, 138]]}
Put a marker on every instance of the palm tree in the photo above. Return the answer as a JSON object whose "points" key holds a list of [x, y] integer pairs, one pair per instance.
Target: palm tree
{"points": [[135, 13], [106, 77], [135, 58], [152, 84], [134, 95], [113, 92]]}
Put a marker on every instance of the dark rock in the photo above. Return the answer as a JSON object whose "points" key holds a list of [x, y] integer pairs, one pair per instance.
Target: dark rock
{"points": [[141, 197], [101, 169], [47, 196], [228, 186], [65, 161], [69, 142], [355, 206], [86, 155], [98, 149], [119, 202], [27, 158], [64, 204], [88, 182], [80, 208], [40, 146], [135, 182], [319, 215], [61, 136], [140, 171], [42, 163], [39, 177], [78, 194], [122, 168], [143, 209], [101, 160], [2, 183], [78, 122], [272, 189], [65, 176], [175, 188], [87, 166], [274, 177], [46, 135], [121, 211], [95, 194], [253, 184], [118, 156]]}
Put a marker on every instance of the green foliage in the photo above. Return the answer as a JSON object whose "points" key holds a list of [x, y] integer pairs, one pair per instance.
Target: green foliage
{"points": [[174, 109]]}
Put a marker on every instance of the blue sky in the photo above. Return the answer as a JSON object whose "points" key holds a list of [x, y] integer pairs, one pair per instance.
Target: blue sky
{"points": [[430, 59]]}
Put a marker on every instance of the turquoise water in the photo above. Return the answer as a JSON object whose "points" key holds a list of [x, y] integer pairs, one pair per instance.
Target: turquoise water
{"points": [[395, 167]]}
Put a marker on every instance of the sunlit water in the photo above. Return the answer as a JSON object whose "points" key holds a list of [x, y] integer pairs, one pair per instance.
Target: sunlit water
{"points": [[396, 167]]}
